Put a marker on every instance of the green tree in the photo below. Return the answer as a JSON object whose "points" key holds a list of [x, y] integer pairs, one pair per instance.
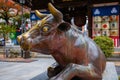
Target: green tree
{"points": [[5, 30], [26, 15], [106, 45], [8, 9], [18, 18]]}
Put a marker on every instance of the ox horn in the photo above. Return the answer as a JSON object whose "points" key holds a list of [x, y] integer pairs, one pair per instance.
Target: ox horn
{"points": [[56, 13], [40, 15]]}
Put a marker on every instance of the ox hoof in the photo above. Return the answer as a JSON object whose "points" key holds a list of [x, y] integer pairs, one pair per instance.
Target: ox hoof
{"points": [[51, 72]]}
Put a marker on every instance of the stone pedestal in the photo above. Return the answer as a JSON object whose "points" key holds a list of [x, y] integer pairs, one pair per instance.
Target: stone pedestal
{"points": [[110, 72]]}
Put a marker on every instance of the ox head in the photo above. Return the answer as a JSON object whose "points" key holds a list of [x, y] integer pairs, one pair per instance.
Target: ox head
{"points": [[46, 33]]}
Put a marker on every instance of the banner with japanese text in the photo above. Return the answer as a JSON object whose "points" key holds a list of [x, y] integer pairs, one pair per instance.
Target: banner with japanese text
{"points": [[105, 22]]}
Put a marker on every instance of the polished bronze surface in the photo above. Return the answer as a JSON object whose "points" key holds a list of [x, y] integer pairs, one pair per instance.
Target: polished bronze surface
{"points": [[77, 55]]}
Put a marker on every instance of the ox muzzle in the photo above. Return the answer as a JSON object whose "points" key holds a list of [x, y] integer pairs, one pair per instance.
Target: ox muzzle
{"points": [[23, 41]]}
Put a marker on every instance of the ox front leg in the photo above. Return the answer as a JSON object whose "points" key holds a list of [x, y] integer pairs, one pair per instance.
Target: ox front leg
{"points": [[81, 72], [53, 70]]}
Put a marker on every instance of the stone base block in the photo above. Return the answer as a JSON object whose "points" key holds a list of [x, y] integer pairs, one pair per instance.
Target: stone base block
{"points": [[110, 72]]}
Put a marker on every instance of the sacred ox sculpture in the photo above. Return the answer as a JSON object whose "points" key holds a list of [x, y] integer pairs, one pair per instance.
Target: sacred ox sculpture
{"points": [[77, 55]]}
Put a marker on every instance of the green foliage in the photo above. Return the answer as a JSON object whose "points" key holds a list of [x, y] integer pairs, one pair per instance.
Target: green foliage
{"points": [[106, 45], [6, 29], [26, 15], [17, 18]]}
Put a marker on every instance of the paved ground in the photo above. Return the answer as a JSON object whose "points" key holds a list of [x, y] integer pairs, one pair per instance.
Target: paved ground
{"points": [[117, 66], [116, 61], [23, 71], [30, 70], [118, 70]]}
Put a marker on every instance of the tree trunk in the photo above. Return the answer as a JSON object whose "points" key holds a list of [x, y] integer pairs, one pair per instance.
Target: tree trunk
{"points": [[5, 52], [7, 21]]}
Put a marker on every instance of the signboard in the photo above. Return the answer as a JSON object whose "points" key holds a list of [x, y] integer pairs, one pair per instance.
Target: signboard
{"points": [[34, 17], [106, 10], [105, 21]]}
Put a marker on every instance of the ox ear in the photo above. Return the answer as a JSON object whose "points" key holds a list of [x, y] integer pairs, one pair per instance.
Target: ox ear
{"points": [[64, 26], [56, 13]]}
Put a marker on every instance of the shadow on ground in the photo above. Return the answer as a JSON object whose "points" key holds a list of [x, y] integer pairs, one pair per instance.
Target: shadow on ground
{"points": [[42, 76]]}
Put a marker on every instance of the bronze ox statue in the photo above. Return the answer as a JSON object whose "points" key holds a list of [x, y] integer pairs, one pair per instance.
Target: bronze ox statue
{"points": [[77, 56]]}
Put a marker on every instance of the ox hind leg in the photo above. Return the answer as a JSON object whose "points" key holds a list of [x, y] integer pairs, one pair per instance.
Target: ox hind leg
{"points": [[75, 71]]}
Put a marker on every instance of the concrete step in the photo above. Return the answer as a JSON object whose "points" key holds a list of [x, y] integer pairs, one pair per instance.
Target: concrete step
{"points": [[40, 55], [113, 59]]}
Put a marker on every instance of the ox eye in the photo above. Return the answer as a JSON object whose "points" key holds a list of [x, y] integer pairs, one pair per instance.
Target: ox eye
{"points": [[45, 29]]}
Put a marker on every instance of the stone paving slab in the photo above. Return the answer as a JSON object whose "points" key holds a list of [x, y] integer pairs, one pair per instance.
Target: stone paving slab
{"points": [[37, 70], [110, 72], [23, 71]]}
